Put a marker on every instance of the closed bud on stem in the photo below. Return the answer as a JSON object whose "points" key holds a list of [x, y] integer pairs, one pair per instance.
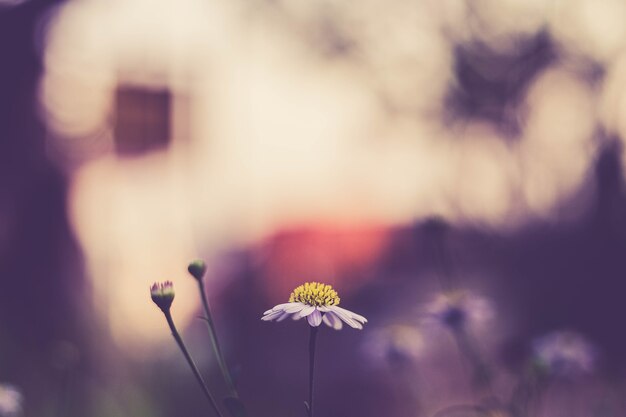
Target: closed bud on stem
{"points": [[197, 269], [162, 294]]}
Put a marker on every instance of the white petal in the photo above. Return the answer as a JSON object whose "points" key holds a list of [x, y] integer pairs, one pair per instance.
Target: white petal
{"points": [[279, 307], [294, 307], [271, 310], [323, 309], [343, 315], [359, 318], [332, 320], [306, 311], [283, 316], [315, 318], [271, 316], [353, 315], [327, 320]]}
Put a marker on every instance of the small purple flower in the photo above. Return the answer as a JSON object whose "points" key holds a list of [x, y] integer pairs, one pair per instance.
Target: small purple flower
{"points": [[397, 343], [10, 401], [457, 309], [565, 353], [317, 302]]}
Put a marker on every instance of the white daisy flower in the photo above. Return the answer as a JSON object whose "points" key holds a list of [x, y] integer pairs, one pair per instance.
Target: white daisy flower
{"points": [[318, 303]]}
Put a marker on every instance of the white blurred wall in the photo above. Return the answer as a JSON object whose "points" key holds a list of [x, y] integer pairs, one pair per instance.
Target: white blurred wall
{"points": [[269, 131]]}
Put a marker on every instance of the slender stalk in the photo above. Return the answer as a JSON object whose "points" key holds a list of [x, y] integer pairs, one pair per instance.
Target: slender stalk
{"points": [[521, 399], [191, 363], [312, 339], [480, 370], [215, 342], [527, 396]]}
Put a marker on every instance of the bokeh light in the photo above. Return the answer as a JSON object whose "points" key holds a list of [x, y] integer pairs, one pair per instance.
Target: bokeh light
{"points": [[402, 151]]}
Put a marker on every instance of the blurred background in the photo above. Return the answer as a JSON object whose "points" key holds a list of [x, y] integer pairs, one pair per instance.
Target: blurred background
{"points": [[454, 168]]}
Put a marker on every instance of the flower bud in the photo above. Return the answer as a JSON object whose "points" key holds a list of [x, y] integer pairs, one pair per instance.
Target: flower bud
{"points": [[197, 269], [162, 294]]}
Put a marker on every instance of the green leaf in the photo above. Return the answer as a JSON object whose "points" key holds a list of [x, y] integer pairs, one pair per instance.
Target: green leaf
{"points": [[235, 407]]}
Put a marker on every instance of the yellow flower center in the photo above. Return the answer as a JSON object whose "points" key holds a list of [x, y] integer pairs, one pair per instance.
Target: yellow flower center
{"points": [[315, 294]]}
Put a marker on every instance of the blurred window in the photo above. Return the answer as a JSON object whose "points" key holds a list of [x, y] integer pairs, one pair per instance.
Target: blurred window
{"points": [[142, 119]]}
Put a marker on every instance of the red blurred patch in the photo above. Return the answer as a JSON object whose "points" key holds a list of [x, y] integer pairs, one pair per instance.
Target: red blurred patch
{"points": [[340, 256]]}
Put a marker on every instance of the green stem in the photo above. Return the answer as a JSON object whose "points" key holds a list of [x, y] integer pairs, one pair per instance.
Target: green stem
{"points": [[191, 363], [215, 342], [312, 339]]}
